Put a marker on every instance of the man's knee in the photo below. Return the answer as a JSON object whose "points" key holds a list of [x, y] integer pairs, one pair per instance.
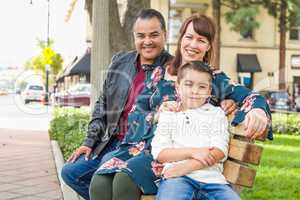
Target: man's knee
{"points": [[67, 173]]}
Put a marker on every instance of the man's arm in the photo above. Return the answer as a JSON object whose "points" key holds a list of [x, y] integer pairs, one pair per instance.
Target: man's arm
{"points": [[97, 124]]}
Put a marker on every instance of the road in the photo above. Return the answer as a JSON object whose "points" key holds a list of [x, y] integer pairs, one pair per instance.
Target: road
{"points": [[15, 115]]}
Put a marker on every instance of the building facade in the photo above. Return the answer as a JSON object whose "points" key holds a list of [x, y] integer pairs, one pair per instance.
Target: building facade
{"points": [[244, 58]]}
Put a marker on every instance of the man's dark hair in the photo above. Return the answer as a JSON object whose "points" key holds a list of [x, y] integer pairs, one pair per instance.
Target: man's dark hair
{"points": [[149, 13]]}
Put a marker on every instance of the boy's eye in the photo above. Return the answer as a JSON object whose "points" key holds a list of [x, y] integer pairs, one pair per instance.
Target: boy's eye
{"points": [[188, 84]]}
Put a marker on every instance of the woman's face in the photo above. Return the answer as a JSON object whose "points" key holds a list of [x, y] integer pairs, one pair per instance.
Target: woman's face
{"points": [[193, 46]]}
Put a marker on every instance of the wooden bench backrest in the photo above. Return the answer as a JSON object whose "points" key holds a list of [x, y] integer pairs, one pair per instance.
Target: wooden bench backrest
{"points": [[242, 154]]}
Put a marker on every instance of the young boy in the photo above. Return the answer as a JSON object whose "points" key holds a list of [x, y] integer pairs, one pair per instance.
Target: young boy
{"points": [[192, 144]]}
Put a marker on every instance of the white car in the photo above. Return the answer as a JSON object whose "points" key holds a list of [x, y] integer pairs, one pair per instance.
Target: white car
{"points": [[33, 92]]}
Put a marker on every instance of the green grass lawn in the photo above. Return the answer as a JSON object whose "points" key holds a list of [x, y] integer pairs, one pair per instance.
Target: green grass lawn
{"points": [[278, 176]]}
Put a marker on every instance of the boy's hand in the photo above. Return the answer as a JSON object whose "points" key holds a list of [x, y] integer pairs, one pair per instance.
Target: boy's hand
{"points": [[205, 157], [176, 170]]}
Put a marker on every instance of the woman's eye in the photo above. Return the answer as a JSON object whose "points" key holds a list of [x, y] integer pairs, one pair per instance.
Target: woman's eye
{"points": [[188, 85]]}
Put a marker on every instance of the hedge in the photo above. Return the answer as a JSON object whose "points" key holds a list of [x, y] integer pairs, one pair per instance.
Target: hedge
{"points": [[68, 126]]}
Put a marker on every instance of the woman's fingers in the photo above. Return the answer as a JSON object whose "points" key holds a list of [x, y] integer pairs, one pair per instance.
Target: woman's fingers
{"points": [[256, 123]]}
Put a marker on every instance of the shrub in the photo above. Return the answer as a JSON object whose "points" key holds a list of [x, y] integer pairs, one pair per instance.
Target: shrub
{"points": [[68, 126], [286, 124]]}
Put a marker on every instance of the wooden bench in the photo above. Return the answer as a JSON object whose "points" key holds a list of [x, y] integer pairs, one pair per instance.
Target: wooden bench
{"points": [[243, 154]]}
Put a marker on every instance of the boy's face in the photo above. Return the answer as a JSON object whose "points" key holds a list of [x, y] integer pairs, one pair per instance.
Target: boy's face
{"points": [[149, 39], [194, 88]]}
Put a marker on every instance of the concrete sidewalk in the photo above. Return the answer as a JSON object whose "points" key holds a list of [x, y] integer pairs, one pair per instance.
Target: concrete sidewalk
{"points": [[27, 168]]}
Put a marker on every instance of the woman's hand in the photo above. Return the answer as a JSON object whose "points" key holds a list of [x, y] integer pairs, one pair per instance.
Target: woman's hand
{"points": [[228, 106], [172, 106], [157, 168], [256, 122]]}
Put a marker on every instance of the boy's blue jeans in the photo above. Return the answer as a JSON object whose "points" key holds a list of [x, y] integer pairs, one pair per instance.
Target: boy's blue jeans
{"points": [[78, 175], [185, 188]]}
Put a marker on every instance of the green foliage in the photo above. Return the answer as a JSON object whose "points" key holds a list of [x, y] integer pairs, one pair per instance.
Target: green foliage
{"points": [[68, 126], [242, 20], [277, 176], [47, 56], [286, 124]]}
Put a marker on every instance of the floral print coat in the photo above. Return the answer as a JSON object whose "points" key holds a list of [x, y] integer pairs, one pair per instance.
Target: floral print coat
{"points": [[133, 155]]}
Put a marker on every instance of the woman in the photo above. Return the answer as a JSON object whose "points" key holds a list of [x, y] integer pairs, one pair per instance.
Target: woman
{"points": [[133, 158]]}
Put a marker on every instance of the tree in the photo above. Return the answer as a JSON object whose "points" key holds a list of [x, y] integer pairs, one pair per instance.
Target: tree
{"points": [[242, 18], [47, 56], [122, 39], [120, 35]]}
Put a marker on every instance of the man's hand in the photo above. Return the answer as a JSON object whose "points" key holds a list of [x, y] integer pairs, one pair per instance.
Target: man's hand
{"points": [[228, 106], [256, 122], [81, 150], [205, 157]]}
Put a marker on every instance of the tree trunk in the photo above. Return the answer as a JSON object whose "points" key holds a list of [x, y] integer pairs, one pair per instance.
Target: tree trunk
{"points": [[100, 56], [282, 45], [217, 43]]}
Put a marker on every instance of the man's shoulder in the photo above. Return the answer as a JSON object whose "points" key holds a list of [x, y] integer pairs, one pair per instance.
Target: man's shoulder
{"points": [[124, 56]]}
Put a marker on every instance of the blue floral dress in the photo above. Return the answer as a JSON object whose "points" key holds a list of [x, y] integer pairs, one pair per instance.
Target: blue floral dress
{"points": [[133, 155]]}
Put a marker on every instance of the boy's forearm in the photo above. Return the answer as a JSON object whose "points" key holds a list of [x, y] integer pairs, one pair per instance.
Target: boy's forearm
{"points": [[176, 154]]}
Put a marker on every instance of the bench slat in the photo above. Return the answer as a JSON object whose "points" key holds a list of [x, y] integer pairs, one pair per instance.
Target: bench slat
{"points": [[245, 151], [239, 174]]}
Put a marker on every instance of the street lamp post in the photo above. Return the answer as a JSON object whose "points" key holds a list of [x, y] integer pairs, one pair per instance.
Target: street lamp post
{"points": [[47, 84]]}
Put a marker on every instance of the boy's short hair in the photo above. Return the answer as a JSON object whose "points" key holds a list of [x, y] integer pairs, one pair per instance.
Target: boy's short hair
{"points": [[194, 65], [150, 13]]}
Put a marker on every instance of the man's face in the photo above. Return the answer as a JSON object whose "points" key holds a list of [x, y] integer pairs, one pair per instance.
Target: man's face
{"points": [[149, 39]]}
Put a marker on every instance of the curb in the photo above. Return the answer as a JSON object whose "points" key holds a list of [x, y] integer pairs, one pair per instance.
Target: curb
{"points": [[68, 193]]}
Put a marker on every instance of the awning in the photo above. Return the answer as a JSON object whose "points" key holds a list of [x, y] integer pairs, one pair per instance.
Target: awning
{"points": [[61, 76], [248, 63], [81, 67]]}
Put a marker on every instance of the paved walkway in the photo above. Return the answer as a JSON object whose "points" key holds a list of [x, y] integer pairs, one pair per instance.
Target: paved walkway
{"points": [[27, 168]]}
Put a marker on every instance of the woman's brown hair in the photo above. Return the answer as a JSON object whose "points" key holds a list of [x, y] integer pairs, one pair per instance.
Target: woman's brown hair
{"points": [[204, 26]]}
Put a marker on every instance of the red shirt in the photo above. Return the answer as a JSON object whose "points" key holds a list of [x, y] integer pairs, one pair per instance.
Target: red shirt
{"points": [[136, 88]]}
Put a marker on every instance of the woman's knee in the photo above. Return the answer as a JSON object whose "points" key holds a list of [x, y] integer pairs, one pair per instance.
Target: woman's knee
{"points": [[125, 188], [101, 187]]}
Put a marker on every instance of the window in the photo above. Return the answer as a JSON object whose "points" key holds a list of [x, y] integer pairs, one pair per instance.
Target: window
{"points": [[248, 35], [295, 61], [295, 33]]}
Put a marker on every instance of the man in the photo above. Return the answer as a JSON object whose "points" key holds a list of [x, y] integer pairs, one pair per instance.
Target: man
{"points": [[123, 83]]}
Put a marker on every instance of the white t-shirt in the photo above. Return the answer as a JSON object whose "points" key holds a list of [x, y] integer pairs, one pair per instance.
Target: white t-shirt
{"points": [[206, 126]]}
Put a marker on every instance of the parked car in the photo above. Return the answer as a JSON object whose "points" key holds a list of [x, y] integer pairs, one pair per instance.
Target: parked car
{"points": [[3, 92], [277, 100], [76, 96], [33, 92]]}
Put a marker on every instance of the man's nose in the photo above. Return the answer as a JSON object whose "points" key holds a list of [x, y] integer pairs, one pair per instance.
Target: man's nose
{"points": [[148, 41]]}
